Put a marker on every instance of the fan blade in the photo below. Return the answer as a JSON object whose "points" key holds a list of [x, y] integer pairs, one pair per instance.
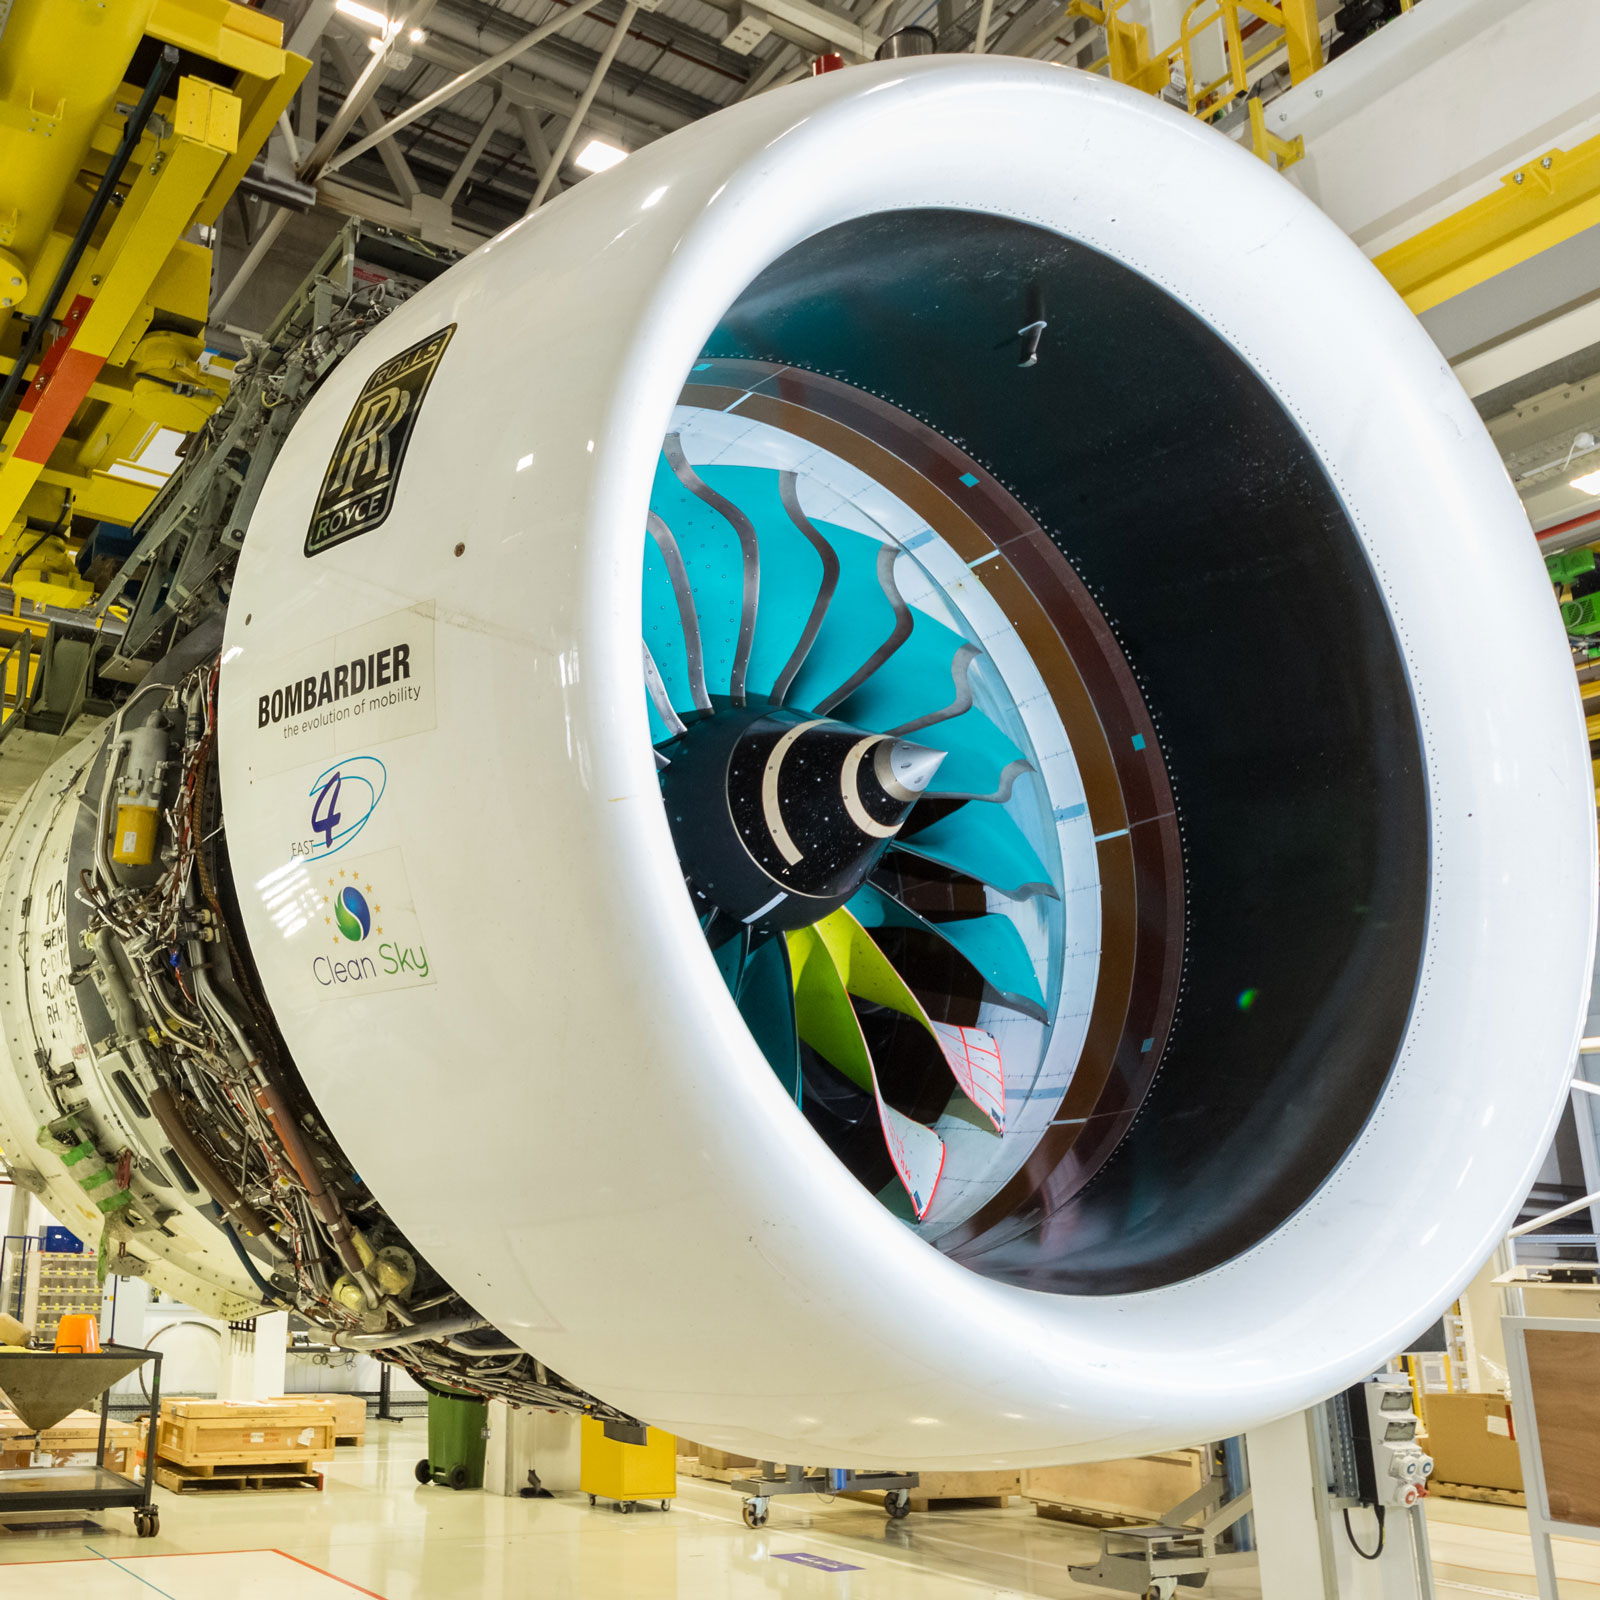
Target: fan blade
{"points": [[990, 944], [767, 1003], [669, 598], [827, 1022], [789, 494], [665, 723], [799, 570], [866, 605], [897, 700], [749, 560], [898, 634], [975, 1062], [984, 843], [971, 1054]]}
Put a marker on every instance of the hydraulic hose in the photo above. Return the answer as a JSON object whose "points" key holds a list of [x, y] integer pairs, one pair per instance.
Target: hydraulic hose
{"points": [[323, 1201], [444, 1328], [268, 1293], [164, 1105]]}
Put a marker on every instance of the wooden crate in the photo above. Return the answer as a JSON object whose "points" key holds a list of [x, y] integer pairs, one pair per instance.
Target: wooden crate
{"points": [[239, 1477], [947, 1490], [1106, 1493], [349, 1413], [200, 1433], [75, 1436]]}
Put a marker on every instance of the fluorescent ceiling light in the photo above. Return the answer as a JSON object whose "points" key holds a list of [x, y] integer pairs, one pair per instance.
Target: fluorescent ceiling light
{"points": [[1590, 1042], [418, 35], [597, 155], [361, 13], [1589, 483]]}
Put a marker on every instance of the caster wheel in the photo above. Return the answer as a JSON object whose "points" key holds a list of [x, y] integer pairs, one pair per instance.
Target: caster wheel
{"points": [[147, 1522], [628, 1507], [754, 1516], [666, 1505], [424, 1473], [458, 1477], [591, 1499], [897, 1502], [1162, 1589]]}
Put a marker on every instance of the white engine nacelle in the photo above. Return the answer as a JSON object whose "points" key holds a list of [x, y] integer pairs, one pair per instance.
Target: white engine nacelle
{"points": [[1126, 805]]}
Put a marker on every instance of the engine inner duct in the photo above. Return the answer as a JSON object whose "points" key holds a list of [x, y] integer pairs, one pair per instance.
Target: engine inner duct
{"points": [[956, 480]]}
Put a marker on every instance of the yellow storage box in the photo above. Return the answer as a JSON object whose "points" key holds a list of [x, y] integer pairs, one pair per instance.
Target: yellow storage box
{"points": [[627, 1473]]}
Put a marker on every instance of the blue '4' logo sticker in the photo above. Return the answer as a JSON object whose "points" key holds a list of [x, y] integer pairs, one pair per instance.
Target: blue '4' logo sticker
{"points": [[342, 799]]}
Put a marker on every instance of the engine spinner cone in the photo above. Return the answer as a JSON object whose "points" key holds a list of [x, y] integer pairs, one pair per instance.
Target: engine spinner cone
{"points": [[778, 817]]}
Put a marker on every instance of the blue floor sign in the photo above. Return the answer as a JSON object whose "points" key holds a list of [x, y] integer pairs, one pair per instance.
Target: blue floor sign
{"points": [[802, 1558]]}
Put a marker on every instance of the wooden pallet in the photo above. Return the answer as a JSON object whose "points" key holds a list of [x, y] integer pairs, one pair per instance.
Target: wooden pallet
{"points": [[205, 1433], [1108, 1494], [349, 1413], [259, 1476], [1471, 1491]]}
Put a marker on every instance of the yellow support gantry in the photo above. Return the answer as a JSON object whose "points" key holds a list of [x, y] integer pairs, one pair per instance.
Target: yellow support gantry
{"points": [[110, 326]]}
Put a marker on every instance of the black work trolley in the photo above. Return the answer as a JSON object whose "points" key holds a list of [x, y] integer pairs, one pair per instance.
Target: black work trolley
{"points": [[85, 1488]]}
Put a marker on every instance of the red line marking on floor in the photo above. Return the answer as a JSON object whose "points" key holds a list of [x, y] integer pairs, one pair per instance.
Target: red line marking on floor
{"points": [[372, 1593]]}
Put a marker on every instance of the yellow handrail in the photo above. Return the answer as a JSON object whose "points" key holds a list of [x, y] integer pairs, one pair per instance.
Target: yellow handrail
{"points": [[1130, 60]]}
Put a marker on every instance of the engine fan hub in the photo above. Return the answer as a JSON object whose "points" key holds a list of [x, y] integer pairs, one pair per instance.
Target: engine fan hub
{"points": [[779, 817]]}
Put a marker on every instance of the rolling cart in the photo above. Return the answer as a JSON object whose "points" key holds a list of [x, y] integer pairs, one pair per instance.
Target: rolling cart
{"points": [[758, 1491], [42, 1388]]}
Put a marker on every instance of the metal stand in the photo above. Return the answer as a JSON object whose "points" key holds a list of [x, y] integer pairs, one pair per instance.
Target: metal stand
{"points": [[1563, 1519], [386, 1393], [94, 1488], [1154, 1561], [758, 1491]]}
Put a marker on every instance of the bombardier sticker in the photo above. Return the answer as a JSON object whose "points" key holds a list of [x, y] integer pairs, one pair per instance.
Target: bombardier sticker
{"points": [[342, 695], [358, 489]]}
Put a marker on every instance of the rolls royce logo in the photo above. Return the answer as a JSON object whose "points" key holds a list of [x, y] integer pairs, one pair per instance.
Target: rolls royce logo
{"points": [[358, 489]]}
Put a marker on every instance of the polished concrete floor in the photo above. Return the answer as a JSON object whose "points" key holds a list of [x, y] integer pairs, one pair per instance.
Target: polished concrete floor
{"points": [[374, 1531]]}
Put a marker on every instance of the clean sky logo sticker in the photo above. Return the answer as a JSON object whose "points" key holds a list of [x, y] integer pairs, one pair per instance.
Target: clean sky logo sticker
{"points": [[351, 913], [365, 935], [347, 911]]}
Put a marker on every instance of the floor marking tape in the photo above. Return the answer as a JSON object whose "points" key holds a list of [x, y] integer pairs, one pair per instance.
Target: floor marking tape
{"points": [[134, 1575]]}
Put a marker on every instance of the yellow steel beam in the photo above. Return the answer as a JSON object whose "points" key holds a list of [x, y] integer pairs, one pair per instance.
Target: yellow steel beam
{"points": [[159, 209], [1538, 205], [1303, 35], [1276, 152]]}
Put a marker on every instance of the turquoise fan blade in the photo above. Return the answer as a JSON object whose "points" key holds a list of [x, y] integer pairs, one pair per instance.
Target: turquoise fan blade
{"points": [[921, 679], [766, 1001], [713, 558], [663, 635], [793, 572], [984, 843], [990, 944]]}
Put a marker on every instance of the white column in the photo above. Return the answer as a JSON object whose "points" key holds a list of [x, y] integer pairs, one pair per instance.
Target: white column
{"points": [[1289, 1498], [1306, 1554]]}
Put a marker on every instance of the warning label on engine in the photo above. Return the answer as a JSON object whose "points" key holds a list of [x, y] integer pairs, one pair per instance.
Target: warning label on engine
{"points": [[361, 688]]}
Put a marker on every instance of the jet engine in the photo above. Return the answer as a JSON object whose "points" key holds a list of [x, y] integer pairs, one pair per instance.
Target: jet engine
{"points": [[897, 786]]}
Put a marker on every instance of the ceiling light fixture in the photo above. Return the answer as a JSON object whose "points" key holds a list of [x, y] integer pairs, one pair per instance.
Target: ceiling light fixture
{"points": [[418, 36], [1589, 483], [360, 13], [597, 156]]}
